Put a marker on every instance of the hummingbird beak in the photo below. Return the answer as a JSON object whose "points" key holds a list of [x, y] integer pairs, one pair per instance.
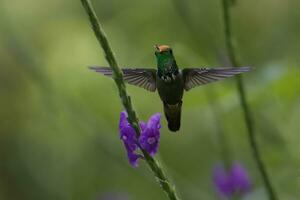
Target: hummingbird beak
{"points": [[157, 48]]}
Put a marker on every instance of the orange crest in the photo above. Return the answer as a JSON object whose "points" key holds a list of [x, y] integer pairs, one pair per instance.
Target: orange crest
{"points": [[162, 48]]}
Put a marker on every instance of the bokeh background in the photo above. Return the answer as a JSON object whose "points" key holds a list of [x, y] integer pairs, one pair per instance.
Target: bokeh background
{"points": [[59, 120]]}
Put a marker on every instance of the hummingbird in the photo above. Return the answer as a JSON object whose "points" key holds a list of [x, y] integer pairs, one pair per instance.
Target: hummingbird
{"points": [[170, 81]]}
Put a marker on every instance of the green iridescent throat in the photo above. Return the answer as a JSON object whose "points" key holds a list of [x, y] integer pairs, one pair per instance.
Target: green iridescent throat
{"points": [[166, 65]]}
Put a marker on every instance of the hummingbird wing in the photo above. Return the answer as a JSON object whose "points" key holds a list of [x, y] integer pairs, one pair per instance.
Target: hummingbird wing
{"points": [[199, 76], [141, 77]]}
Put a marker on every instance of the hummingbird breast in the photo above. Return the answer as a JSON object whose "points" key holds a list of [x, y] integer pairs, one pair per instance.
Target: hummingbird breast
{"points": [[170, 91]]}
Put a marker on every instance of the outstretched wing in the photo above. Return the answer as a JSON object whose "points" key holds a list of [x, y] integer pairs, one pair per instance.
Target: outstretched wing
{"points": [[145, 78], [199, 76]]}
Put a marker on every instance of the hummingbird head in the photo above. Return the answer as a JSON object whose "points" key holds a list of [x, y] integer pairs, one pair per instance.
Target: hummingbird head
{"points": [[163, 51], [163, 54], [166, 63]]}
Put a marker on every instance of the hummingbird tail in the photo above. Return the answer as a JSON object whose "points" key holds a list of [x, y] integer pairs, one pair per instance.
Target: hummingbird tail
{"points": [[173, 115]]}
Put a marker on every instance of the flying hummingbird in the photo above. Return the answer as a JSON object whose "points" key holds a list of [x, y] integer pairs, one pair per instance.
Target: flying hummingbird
{"points": [[170, 81]]}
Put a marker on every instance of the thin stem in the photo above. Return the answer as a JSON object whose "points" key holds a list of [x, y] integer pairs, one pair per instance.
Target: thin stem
{"points": [[242, 95], [125, 98]]}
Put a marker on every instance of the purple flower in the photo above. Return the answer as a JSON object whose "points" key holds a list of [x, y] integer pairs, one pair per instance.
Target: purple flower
{"points": [[222, 181], [240, 178], [128, 136], [148, 140], [232, 182]]}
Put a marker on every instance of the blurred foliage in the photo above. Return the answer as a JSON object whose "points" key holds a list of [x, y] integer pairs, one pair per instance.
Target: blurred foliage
{"points": [[59, 121]]}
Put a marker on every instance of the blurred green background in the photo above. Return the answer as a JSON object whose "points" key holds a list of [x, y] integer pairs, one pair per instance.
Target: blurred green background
{"points": [[59, 121]]}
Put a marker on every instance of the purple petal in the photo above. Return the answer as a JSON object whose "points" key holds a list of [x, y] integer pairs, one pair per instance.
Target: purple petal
{"points": [[240, 179], [123, 120], [133, 158], [149, 139], [130, 142], [143, 125], [154, 121], [222, 182], [128, 136]]}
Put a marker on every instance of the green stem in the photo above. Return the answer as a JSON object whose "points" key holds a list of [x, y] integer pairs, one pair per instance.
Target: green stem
{"points": [[243, 100], [125, 98]]}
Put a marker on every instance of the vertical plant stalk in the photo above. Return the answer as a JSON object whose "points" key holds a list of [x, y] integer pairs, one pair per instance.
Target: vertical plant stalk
{"points": [[242, 95], [125, 98]]}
